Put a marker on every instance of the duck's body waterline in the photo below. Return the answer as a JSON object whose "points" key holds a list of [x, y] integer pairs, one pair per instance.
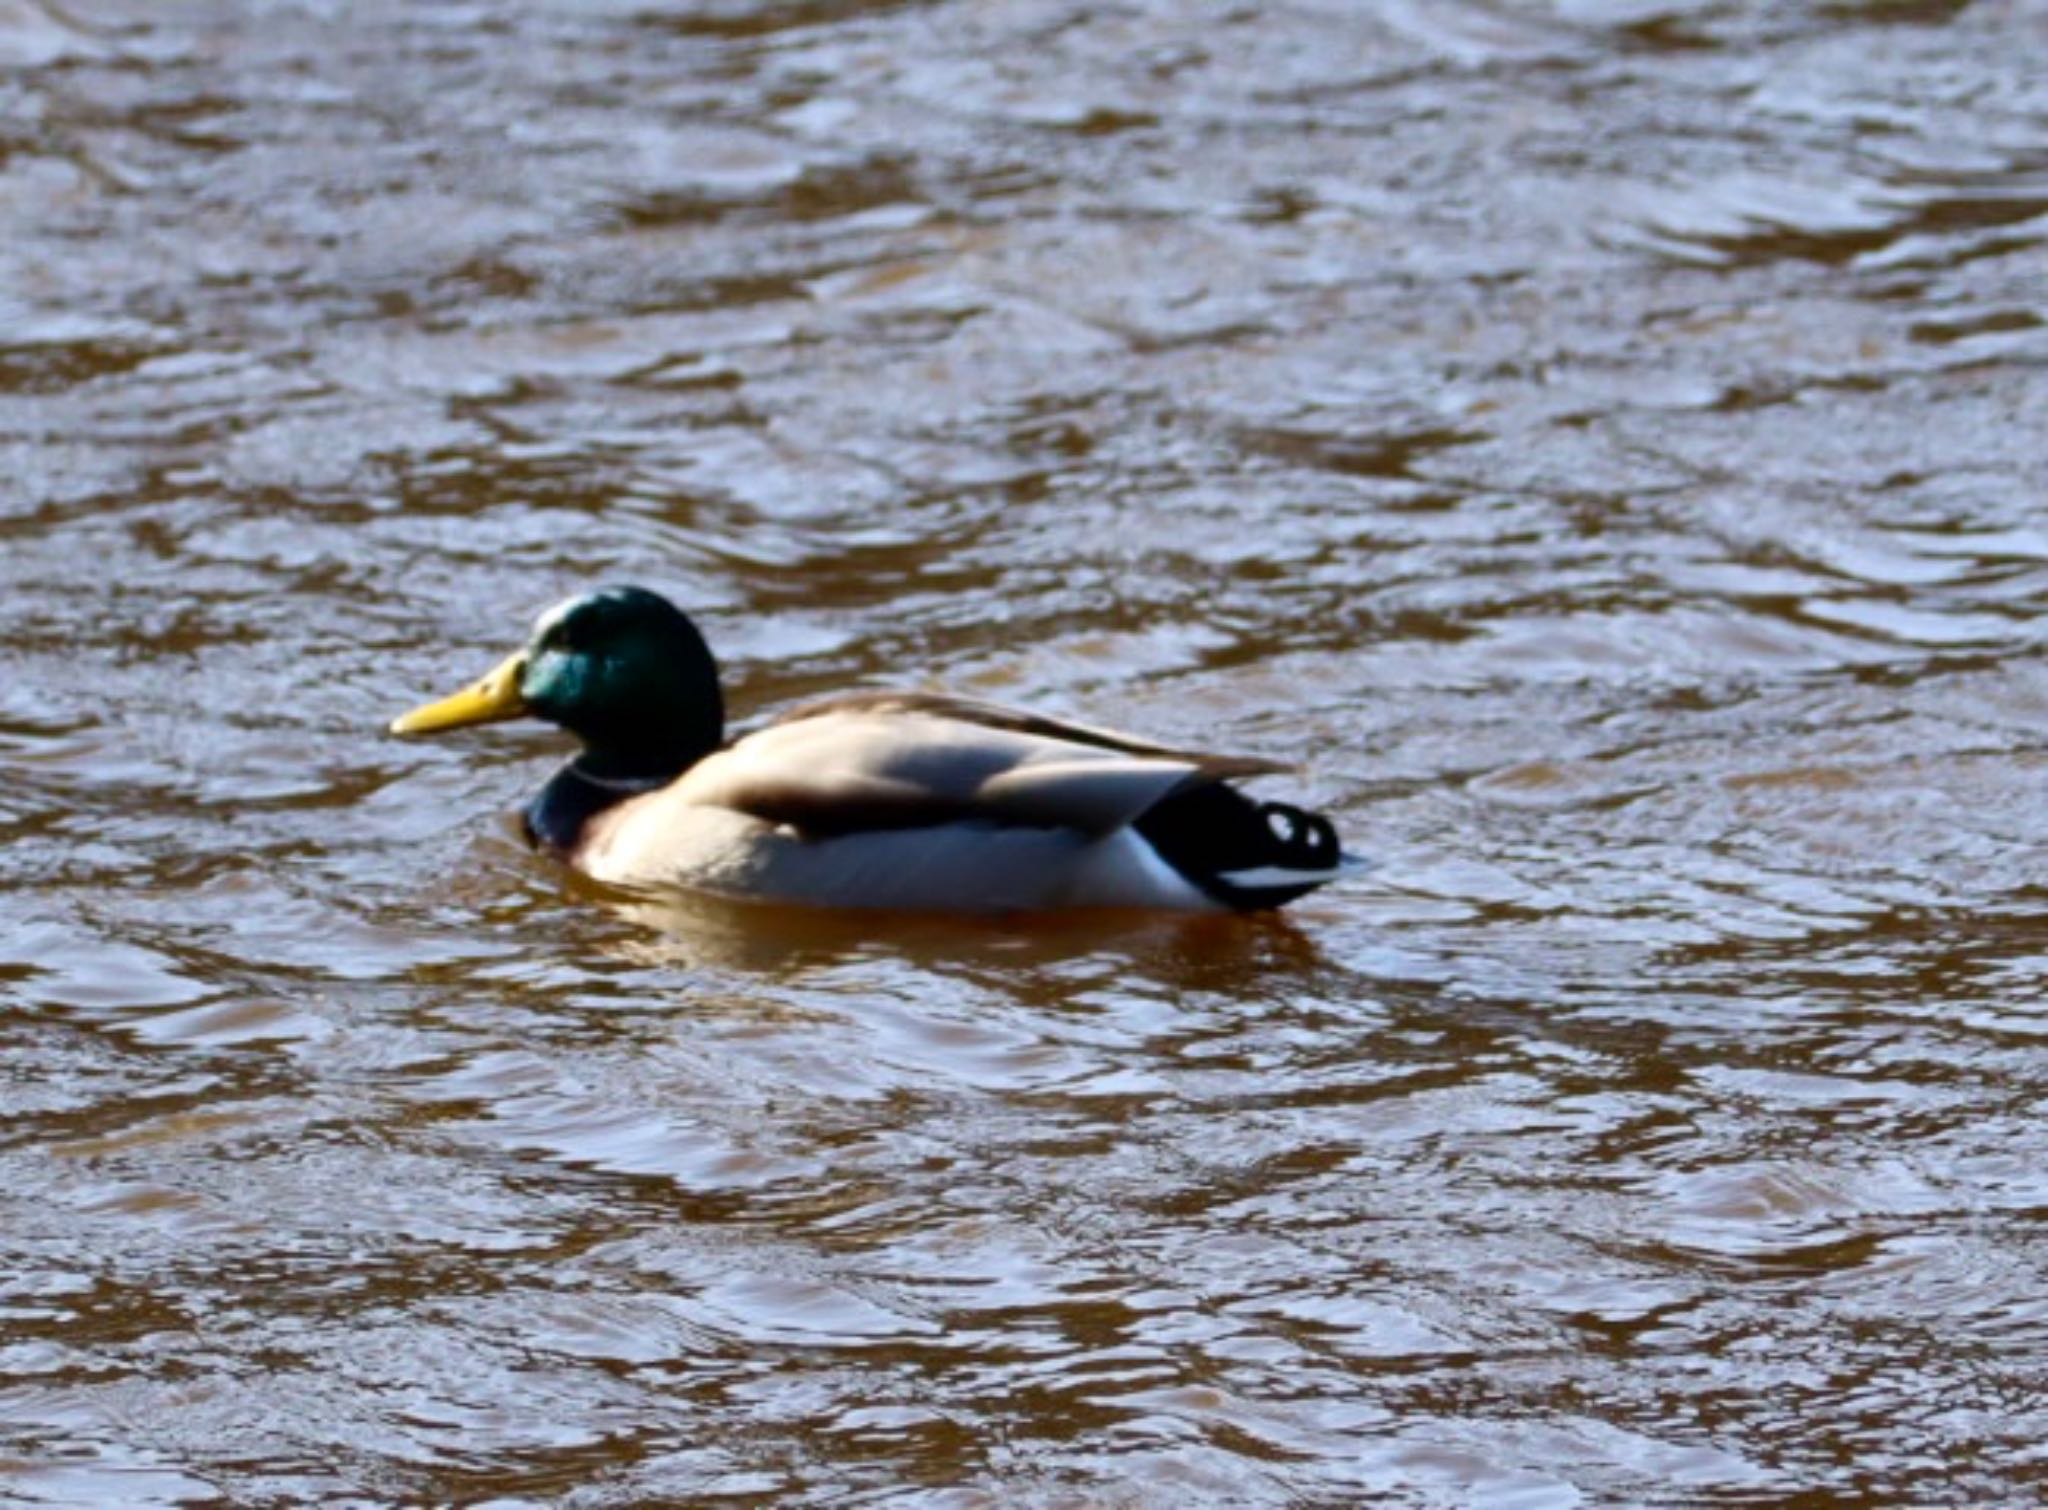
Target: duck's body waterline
{"points": [[963, 867], [873, 800]]}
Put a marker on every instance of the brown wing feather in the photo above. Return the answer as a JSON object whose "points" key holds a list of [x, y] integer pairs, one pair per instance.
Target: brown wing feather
{"points": [[844, 808], [995, 716]]}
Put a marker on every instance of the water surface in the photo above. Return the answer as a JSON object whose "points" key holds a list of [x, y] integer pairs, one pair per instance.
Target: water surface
{"points": [[1600, 441]]}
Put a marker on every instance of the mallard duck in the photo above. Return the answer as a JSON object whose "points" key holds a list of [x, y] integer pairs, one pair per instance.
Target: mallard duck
{"points": [[876, 799]]}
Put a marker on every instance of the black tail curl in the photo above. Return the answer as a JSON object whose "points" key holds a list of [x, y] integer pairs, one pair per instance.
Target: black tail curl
{"points": [[1244, 853]]}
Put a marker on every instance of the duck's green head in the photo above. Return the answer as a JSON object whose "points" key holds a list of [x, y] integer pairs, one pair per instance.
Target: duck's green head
{"points": [[623, 669]]}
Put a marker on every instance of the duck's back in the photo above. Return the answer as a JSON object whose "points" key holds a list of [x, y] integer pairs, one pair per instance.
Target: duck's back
{"points": [[917, 801]]}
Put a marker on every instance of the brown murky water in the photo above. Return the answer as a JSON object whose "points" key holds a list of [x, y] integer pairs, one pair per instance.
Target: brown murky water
{"points": [[1601, 440]]}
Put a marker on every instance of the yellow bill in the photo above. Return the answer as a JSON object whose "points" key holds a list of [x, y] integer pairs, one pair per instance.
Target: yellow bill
{"points": [[489, 701]]}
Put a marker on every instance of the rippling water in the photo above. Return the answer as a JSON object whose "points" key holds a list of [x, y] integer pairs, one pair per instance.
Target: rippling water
{"points": [[1600, 440]]}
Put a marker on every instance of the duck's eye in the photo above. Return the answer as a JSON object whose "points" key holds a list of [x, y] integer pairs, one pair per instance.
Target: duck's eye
{"points": [[568, 634]]}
